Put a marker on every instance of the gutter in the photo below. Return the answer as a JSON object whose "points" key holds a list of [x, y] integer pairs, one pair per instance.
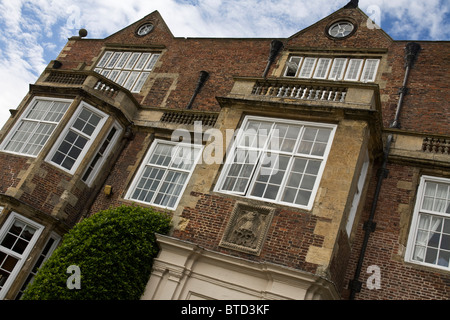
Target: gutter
{"points": [[411, 51]]}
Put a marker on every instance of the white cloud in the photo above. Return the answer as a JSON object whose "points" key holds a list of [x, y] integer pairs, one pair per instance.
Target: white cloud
{"points": [[34, 31]]}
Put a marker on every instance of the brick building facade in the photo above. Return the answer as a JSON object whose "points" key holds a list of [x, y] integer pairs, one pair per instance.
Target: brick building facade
{"points": [[310, 167]]}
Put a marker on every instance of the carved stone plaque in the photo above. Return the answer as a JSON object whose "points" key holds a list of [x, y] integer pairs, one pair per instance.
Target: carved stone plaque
{"points": [[247, 228]]}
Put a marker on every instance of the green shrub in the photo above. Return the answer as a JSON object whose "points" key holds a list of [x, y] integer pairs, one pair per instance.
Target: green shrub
{"points": [[114, 250]]}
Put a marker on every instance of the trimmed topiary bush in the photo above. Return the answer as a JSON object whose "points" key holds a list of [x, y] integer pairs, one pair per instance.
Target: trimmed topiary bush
{"points": [[114, 251]]}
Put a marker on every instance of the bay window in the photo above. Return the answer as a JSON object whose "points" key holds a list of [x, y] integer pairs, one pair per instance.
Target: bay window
{"points": [[79, 135], [35, 127]]}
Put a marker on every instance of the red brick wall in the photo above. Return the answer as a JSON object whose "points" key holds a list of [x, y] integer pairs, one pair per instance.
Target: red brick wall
{"points": [[10, 166], [425, 108], [399, 280], [289, 236]]}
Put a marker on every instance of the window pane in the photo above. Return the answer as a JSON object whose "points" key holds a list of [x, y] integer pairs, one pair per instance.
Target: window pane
{"points": [[239, 174], [151, 63], [322, 68], [370, 70], [307, 67], [292, 66], [270, 176], [337, 70], [165, 174], [273, 170], [255, 134], [354, 69]]}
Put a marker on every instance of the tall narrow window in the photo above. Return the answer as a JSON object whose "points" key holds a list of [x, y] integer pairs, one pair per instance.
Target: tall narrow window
{"points": [[77, 138], [51, 245], [429, 238], [277, 160], [358, 194], [127, 69], [33, 130], [101, 154], [164, 174], [292, 66], [323, 66], [307, 68], [17, 237], [370, 70], [338, 68], [354, 69]]}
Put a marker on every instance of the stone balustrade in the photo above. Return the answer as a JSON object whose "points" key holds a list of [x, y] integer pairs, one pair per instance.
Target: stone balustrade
{"points": [[299, 91]]}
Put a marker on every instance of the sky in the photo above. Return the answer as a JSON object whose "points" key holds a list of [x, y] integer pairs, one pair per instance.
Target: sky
{"points": [[33, 32]]}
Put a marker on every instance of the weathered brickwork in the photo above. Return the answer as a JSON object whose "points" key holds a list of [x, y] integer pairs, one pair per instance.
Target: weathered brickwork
{"points": [[289, 237], [312, 242], [386, 248], [9, 170]]}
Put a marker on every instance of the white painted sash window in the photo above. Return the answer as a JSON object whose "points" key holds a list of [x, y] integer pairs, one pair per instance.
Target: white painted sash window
{"points": [[277, 160], [35, 127], [17, 237], [164, 174], [362, 70], [429, 237], [75, 141], [127, 69]]}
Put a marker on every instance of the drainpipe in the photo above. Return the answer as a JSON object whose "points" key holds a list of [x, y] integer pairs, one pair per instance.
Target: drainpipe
{"points": [[201, 82], [275, 48], [411, 51]]}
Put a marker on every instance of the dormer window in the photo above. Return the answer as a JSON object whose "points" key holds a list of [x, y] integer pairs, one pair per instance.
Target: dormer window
{"points": [[330, 68], [128, 69]]}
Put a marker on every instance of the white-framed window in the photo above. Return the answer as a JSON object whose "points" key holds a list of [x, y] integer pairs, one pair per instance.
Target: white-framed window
{"points": [[323, 66], [354, 69], [307, 67], [429, 236], [358, 194], [370, 70], [164, 173], [342, 68], [338, 68], [127, 69], [49, 247], [101, 154], [277, 160], [17, 237], [35, 126], [76, 139]]}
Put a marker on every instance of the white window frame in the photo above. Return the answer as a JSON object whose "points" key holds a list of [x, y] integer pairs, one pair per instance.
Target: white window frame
{"points": [[358, 194], [319, 68], [21, 257], [418, 210], [129, 69], [91, 138], [102, 153], [31, 275], [291, 65], [294, 155], [339, 74], [167, 168], [24, 118], [349, 74], [369, 72], [338, 68], [307, 67]]}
